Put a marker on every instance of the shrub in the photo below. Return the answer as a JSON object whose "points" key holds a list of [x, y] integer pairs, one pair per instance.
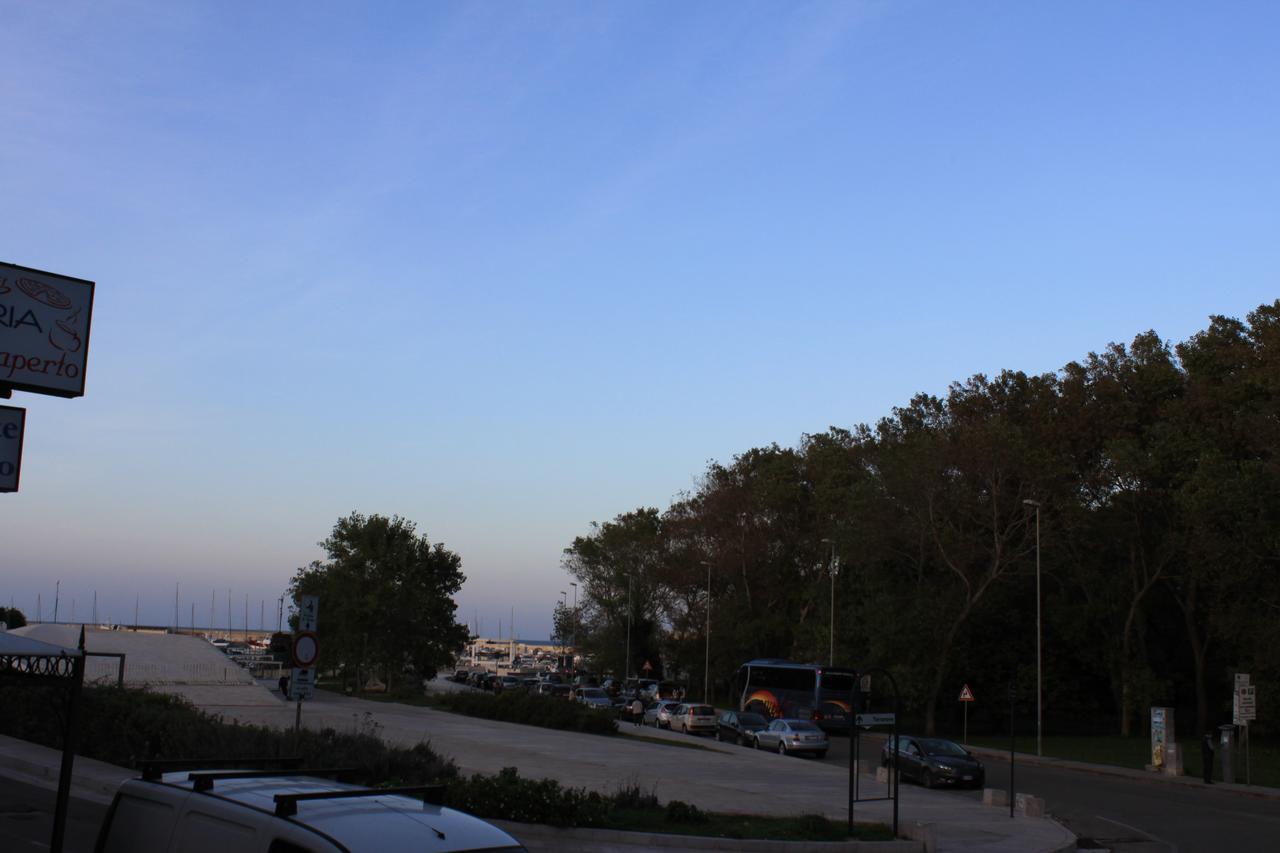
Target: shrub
{"points": [[531, 709], [508, 796], [681, 812]]}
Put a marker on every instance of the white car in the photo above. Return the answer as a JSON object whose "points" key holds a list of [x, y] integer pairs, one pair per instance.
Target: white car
{"points": [[265, 811], [692, 717], [594, 697]]}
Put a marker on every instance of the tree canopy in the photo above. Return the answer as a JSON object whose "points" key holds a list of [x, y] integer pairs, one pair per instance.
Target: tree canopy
{"points": [[386, 598], [1155, 471]]}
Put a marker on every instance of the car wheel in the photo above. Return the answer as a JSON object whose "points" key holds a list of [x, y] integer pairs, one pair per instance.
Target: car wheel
{"points": [[741, 739], [782, 748], [926, 779], [719, 737], [822, 754], [684, 728], [756, 743]]}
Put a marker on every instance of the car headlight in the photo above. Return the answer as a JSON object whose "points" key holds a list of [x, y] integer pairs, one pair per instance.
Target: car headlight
{"points": [[946, 767]]}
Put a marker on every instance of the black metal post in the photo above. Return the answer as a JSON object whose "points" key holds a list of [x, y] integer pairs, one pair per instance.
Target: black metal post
{"points": [[1013, 743], [70, 740], [853, 740]]}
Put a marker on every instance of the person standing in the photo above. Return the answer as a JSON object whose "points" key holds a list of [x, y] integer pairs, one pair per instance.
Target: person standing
{"points": [[1206, 757], [637, 711]]}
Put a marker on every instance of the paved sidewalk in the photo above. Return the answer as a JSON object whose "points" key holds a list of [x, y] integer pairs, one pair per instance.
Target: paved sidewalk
{"points": [[1027, 758]]}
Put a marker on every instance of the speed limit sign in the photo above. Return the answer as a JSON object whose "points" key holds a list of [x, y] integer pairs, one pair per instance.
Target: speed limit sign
{"points": [[306, 649]]}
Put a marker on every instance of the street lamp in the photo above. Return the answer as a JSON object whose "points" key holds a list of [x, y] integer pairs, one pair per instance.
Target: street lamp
{"points": [[706, 669], [564, 604], [626, 663], [833, 568], [575, 617], [1039, 676]]}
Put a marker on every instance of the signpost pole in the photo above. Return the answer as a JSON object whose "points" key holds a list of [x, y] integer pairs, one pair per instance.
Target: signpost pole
{"points": [[966, 722], [1012, 749]]}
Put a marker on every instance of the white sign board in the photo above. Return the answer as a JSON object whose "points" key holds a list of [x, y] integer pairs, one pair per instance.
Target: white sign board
{"points": [[302, 684], [1242, 680], [44, 331], [1245, 707], [13, 423], [875, 719], [308, 612]]}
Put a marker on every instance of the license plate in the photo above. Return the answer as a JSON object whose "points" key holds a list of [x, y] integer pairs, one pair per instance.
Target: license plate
{"points": [[968, 778]]}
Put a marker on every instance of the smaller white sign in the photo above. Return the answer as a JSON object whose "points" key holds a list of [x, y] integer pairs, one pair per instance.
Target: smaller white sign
{"points": [[1245, 705], [308, 612], [1242, 680], [302, 685], [13, 423]]}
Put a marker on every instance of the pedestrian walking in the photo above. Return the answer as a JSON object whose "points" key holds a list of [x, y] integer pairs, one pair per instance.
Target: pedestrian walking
{"points": [[637, 711], [1206, 757], [284, 685]]}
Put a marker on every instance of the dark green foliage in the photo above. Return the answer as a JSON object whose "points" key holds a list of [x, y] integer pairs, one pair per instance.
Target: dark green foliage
{"points": [[386, 600], [1156, 471], [125, 727], [12, 617], [508, 796], [517, 706], [681, 812]]}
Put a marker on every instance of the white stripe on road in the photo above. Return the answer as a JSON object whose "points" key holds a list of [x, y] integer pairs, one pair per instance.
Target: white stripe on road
{"points": [[1172, 847]]}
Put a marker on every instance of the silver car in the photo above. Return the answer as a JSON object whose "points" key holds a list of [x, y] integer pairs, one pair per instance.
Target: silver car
{"points": [[658, 714], [594, 697], [793, 736]]}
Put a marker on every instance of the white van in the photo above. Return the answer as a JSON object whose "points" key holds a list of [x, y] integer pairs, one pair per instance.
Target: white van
{"points": [[289, 811]]}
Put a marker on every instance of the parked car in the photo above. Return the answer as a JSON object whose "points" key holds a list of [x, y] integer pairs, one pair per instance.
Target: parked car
{"points": [[789, 736], [658, 714], [460, 675], [739, 727], [692, 717], [510, 682], [594, 697], [934, 761], [255, 811]]}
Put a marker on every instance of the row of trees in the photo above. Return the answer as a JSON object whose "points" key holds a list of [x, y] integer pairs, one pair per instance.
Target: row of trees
{"points": [[1155, 473]]}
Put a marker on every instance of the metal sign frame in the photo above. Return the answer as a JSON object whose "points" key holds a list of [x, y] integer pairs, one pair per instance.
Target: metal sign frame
{"points": [[22, 431], [7, 383]]}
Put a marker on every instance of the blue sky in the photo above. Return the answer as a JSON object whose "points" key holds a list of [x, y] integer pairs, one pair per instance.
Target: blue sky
{"points": [[509, 268]]}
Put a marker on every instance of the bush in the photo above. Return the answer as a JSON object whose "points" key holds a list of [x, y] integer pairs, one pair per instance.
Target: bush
{"points": [[531, 709], [681, 812], [126, 727], [508, 796]]}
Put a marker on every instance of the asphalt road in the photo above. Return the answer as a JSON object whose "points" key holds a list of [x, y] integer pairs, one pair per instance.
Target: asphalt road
{"points": [[1126, 815], [26, 819]]}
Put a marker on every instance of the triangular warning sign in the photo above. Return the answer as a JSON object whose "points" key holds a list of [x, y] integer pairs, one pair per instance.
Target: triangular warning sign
{"points": [[966, 695]]}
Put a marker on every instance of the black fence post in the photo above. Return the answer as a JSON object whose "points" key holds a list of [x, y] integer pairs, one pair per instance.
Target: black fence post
{"points": [[1013, 743]]}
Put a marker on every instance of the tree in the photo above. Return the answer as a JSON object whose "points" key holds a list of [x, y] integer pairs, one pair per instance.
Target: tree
{"points": [[12, 617], [385, 598]]}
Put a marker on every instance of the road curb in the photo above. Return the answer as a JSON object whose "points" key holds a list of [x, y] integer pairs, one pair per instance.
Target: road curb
{"points": [[538, 837], [1255, 791]]}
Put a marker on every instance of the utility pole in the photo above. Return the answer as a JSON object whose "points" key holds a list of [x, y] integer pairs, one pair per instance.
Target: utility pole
{"points": [[57, 592]]}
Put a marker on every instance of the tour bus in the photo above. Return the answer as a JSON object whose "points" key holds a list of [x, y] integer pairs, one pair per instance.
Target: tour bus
{"points": [[781, 688]]}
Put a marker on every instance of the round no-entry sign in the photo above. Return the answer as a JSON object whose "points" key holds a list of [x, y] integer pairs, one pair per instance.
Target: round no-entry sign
{"points": [[306, 648]]}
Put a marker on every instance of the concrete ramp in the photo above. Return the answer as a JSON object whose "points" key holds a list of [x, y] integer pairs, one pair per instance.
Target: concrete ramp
{"points": [[151, 658]]}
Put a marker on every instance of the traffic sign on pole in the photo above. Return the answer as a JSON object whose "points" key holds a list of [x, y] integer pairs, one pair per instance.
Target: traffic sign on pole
{"points": [[966, 695]]}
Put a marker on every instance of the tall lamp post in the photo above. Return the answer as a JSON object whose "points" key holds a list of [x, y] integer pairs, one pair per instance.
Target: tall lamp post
{"points": [[626, 663], [564, 603], [575, 618], [706, 668], [1039, 659], [833, 568]]}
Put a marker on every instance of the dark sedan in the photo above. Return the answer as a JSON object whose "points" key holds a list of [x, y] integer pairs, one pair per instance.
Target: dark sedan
{"points": [[739, 727], [934, 762]]}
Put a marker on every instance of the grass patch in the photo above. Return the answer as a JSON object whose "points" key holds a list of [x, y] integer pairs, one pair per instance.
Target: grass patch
{"points": [[1135, 753]]}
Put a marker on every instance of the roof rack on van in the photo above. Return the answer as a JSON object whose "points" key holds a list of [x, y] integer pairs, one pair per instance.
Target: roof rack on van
{"points": [[153, 769], [287, 804], [204, 780]]}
